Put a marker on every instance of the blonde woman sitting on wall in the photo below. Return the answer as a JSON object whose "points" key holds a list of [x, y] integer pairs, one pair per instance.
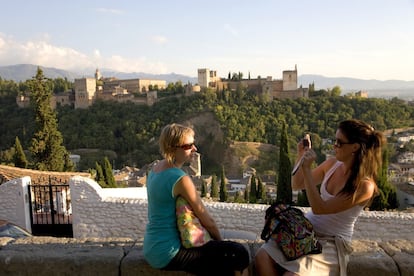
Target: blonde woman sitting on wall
{"points": [[166, 182]]}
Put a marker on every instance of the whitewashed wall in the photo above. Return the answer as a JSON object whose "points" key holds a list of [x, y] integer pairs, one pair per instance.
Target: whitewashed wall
{"points": [[14, 202], [110, 212], [114, 213]]}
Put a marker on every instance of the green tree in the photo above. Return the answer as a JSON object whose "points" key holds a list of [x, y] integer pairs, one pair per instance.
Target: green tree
{"points": [[47, 147], [284, 189], [253, 190], [19, 158], [61, 85], [99, 177], [223, 186], [387, 198], [69, 166], [214, 193], [238, 198], [336, 91], [261, 191], [203, 188], [108, 174]]}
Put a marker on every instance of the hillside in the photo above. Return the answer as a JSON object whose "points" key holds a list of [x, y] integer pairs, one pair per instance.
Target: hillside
{"points": [[235, 157]]}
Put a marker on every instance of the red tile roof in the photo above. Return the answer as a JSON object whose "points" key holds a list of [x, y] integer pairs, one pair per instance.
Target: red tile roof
{"points": [[8, 173]]}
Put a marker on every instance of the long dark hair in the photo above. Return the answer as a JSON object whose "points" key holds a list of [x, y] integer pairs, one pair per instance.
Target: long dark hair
{"points": [[368, 159]]}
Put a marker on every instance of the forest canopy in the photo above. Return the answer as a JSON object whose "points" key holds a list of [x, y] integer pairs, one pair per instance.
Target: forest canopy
{"points": [[131, 131]]}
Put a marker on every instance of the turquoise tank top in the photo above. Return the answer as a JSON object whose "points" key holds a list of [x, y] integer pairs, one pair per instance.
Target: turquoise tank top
{"points": [[162, 239]]}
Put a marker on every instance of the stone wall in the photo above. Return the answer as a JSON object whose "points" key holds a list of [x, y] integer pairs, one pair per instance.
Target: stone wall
{"points": [[108, 226], [44, 256]]}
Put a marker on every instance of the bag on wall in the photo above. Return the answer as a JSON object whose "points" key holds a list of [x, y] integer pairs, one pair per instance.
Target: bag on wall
{"points": [[291, 230], [192, 233]]}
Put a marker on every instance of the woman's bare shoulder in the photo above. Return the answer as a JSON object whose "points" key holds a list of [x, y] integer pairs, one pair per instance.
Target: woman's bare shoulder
{"points": [[328, 164], [367, 187]]}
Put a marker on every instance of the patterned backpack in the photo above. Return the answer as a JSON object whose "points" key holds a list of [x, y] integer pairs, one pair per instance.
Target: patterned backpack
{"points": [[291, 230]]}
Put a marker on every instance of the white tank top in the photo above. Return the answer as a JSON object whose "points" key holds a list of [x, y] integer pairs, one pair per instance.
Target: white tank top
{"points": [[339, 224]]}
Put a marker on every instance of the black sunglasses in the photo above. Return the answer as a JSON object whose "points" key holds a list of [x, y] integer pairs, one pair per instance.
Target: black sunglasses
{"points": [[186, 146], [338, 143]]}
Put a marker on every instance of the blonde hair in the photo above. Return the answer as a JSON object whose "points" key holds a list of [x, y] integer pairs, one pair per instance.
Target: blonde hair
{"points": [[171, 137]]}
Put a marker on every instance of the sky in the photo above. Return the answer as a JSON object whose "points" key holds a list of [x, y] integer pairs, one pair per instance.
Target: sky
{"points": [[365, 39]]}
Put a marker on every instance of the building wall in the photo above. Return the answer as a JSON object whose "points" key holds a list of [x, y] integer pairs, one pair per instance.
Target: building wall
{"points": [[207, 78], [133, 85], [276, 89], [66, 98], [290, 80], [144, 84], [61, 99], [292, 94], [203, 77], [85, 90]]}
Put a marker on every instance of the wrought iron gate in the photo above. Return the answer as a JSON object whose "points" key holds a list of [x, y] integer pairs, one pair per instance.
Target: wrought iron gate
{"points": [[51, 209]]}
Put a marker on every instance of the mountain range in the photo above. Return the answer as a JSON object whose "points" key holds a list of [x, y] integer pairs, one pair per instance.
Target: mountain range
{"points": [[22, 72], [375, 88]]}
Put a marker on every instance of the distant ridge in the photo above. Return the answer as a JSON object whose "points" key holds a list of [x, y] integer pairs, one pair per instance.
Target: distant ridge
{"points": [[322, 82], [22, 72]]}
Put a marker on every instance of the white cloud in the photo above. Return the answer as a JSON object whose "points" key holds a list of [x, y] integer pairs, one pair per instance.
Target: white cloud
{"points": [[133, 65], [43, 53]]}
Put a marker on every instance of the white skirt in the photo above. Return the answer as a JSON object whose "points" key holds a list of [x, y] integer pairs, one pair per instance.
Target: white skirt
{"points": [[325, 263]]}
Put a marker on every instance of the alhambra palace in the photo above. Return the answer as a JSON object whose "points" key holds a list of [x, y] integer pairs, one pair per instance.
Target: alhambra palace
{"points": [[144, 91]]}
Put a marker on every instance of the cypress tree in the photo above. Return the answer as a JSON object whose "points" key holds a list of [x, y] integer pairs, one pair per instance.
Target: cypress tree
{"points": [[47, 143], [108, 174], [253, 192], [203, 188], [392, 199], [261, 191], [99, 177], [284, 188], [68, 166], [19, 158], [223, 186], [214, 187], [387, 198]]}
